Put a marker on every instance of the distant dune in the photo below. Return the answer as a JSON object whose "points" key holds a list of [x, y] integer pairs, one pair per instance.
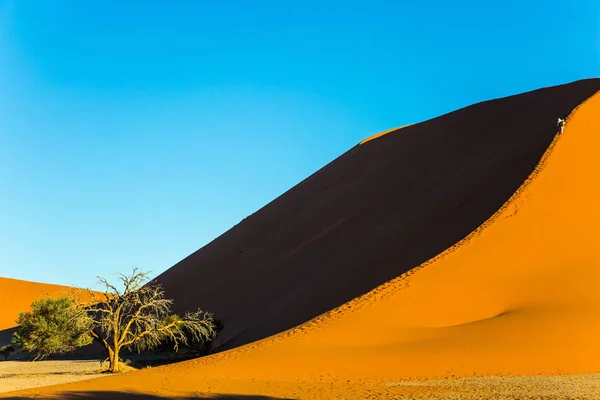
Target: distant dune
{"points": [[17, 295], [515, 295]]}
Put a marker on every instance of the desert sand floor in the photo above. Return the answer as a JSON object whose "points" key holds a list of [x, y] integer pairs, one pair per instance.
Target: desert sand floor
{"points": [[568, 387], [507, 387], [519, 296], [17, 375]]}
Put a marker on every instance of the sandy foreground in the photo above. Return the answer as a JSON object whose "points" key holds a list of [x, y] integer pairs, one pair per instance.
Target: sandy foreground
{"points": [[17, 375], [21, 375], [504, 387]]}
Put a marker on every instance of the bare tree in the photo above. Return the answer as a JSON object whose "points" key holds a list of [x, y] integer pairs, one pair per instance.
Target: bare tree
{"points": [[138, 316]]}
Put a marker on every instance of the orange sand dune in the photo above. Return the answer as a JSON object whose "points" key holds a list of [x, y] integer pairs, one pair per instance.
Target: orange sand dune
{"points": [[518, 296], [17, 295]]}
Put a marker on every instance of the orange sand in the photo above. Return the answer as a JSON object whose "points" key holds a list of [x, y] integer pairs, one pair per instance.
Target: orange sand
{"points": [[17, 296], [380, 134], [518, 296]]}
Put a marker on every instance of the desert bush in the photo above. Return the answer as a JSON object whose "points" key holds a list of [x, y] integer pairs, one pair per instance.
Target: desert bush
{"points": [[6, 351], [53, 326]]}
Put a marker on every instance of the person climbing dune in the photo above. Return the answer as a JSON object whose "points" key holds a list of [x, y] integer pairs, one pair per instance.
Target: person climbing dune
{"points": [[561, 125]]}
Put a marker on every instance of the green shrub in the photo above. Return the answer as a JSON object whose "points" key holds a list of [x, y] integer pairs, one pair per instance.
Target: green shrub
{"points": [[53, 326]]}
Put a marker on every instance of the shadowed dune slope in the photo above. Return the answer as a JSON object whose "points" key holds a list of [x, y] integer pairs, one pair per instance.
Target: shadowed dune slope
{"points": [[517, 296], [374, 213], [17, 295]]}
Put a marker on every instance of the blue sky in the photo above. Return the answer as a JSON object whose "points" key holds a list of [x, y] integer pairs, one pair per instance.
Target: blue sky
{"points": [[134, 132]]}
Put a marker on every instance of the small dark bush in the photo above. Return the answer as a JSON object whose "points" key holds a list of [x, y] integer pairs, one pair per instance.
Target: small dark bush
{"points": [[6, 350]]}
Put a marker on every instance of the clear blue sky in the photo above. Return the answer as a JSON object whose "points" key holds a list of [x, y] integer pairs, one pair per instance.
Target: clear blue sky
{"points": [[134, 132]]}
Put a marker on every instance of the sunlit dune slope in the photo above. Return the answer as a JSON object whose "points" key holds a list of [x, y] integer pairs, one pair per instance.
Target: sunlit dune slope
{"points": [[377, 211], [519, 295], [17, 295], [380, 134]]}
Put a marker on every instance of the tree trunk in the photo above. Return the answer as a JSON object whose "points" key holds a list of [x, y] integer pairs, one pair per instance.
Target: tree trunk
{"points": [[113, 361], [109, 356]]}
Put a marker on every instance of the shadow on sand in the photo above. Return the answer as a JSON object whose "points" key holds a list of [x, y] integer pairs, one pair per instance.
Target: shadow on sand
{"points": [[143, 396]]}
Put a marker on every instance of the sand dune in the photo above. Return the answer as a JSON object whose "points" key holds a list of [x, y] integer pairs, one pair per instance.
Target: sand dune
{"points": [[377, 211], [519, 295], [17, 295]]}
